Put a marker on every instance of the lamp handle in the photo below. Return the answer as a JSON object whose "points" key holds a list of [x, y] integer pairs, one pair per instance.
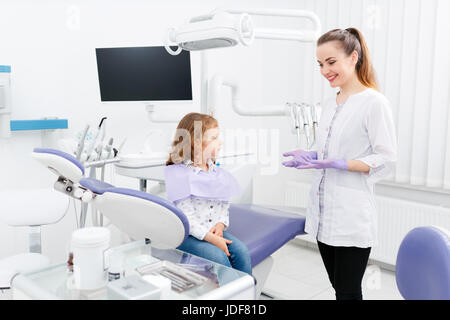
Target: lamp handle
{"points": [[245, 18], [170, 35]]}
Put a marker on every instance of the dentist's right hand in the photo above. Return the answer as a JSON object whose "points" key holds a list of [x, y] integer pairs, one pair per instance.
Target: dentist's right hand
{"points": [[301, 158]]}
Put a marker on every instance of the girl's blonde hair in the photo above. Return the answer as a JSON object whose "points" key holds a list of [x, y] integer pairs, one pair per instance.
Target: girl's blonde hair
{"points": [[351, 39], [187, 136]]}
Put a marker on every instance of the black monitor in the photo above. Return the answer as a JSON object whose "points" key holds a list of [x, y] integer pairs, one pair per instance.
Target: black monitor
{"points": [[143, 74]]}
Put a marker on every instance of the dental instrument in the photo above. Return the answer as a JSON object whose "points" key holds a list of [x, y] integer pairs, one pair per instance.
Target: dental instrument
{"points": [[306, 128], [315, 122], [97, 154], [295, 118], [81, 142], [307, 115], [90, 151]]}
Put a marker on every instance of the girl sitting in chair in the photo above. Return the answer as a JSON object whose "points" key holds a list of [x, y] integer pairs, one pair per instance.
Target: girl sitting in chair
{"points": [[202, 191]]}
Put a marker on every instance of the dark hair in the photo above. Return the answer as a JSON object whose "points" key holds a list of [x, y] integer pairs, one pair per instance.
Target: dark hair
{"points": [[186, 131], [351, 39]]}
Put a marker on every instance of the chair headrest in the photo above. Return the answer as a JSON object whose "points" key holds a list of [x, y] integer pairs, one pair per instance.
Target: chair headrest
{"points": [[63, 163], [423, 264]]}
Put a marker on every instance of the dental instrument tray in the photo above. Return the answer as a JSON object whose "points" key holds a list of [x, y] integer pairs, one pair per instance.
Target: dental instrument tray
{"points": [[182, 279]]}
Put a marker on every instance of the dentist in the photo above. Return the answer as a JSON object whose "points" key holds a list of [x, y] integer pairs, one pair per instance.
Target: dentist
{"points": [[356, 146]]}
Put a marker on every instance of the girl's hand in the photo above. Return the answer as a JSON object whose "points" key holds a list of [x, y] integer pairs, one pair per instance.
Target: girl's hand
{"points": [[218, 229], [218, 242]]}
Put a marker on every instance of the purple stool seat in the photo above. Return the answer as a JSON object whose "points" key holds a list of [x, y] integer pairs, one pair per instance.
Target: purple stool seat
{"points": [[262, 229], [422, 270]]}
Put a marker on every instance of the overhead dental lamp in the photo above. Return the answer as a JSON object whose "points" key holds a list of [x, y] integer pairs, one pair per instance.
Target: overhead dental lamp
{"points": [[229, 27], [218, 30]]}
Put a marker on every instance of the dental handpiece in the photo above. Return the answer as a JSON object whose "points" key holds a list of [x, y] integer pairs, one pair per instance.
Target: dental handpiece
{"points": [[102, 127], [292, 112], [81, 143], [305, 122], [294, 115], [314, 120], [109, 148], [107, 152], [91, 148], [99, 150]]}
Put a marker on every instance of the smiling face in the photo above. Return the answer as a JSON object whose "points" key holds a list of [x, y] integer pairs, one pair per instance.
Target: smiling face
{"points": [[337, 67]]}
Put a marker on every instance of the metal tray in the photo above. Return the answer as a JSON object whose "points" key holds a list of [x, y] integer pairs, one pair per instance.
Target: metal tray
{"points": [[182, 279]]}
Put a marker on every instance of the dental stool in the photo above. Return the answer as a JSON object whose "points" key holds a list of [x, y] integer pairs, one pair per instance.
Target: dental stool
{"points": [[422, 269], [29, 208]]}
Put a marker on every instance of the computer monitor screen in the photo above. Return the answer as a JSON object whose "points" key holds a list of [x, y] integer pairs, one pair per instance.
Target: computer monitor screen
{"points": [[143, 74]]}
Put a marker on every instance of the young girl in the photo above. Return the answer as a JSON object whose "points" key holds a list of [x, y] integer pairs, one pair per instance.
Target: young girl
{"points": [[356, 147], [202, 190]]}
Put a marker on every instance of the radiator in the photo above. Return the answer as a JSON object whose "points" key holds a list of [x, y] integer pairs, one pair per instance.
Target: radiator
{"points": [[395, 218]]}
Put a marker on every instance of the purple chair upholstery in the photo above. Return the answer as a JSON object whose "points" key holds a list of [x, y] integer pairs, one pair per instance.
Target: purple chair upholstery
{"points": [[263, 230], [96, 186], [423, 265]]}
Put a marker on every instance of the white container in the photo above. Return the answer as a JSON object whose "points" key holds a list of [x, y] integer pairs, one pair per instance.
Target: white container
{"points": [[88, 246]]}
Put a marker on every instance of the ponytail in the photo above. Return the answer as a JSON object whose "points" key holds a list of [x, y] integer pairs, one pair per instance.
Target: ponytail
{"points": [[352, 39]]}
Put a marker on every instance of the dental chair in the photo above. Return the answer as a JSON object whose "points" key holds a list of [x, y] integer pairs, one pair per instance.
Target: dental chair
{"points": [[31, 208], [422, 268], [145, 216]]}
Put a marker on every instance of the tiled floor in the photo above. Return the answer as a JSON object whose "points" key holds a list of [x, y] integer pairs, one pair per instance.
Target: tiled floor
{"points": [[299, 274]]}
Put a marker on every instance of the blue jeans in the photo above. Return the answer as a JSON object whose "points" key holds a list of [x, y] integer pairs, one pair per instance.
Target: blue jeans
{"points": [[239, 256]]}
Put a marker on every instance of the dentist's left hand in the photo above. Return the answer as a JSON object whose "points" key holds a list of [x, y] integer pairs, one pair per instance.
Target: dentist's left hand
{"points": [[301, 158], [340, 164]]}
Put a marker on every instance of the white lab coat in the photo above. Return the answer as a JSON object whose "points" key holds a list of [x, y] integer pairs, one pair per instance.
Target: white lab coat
{"points": [[363, 130]]}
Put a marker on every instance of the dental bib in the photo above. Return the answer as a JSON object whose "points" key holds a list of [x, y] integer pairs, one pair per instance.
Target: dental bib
{"points": [[183, 182]]}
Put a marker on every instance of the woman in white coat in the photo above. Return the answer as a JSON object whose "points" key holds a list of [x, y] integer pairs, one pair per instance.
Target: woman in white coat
{"points": [[356, 146]]}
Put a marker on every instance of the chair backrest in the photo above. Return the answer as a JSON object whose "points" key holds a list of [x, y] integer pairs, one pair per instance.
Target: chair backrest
{"points": [[142, 215], [61, 163], [423, 264]]}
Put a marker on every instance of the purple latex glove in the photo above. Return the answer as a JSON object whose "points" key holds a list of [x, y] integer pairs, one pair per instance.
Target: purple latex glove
{"points": [[301, 158], [340, 164]]}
